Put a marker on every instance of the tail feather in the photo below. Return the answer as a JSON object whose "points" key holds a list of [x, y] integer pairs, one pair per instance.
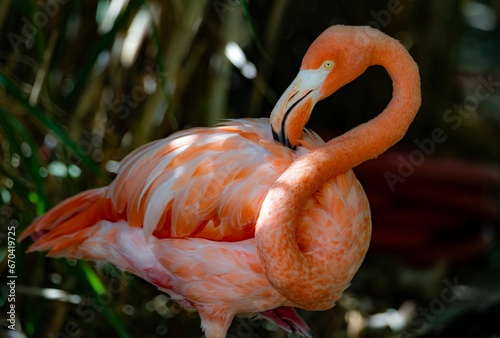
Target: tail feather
{"points": [[62, 227], [66, 246]]}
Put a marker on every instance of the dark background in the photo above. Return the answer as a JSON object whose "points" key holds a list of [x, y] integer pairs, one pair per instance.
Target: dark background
{"points": [[83, 83]]}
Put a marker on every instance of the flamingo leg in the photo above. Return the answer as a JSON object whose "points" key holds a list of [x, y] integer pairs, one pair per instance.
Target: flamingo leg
{"points": [[215, 325]]}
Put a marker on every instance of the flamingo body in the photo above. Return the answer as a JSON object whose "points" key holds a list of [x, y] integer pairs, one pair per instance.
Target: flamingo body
{"points": [[252, 216], [211, 266]]}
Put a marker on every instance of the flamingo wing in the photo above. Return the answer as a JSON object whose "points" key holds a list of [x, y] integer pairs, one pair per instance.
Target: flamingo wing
{"points": [[206, 183], [199, 183]]}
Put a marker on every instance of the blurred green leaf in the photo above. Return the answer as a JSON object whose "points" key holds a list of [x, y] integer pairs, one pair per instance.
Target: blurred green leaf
{"points": [[104, 42], [50, 124], [31, 164], [93, 279], [161, 65], [96, 288], [253, 31]]}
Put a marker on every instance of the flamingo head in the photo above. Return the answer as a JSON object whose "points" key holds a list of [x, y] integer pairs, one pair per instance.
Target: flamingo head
{"points": [[338, 56]]}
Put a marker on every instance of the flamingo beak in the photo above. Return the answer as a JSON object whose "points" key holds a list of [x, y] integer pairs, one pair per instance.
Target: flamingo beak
{"points": [[294, 107]]}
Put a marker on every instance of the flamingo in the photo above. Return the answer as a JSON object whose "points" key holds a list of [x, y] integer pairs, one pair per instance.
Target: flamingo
{"points": [[254, 216]]}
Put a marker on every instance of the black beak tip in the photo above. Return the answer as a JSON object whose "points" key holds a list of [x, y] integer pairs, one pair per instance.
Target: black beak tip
{"points": [[281, 138], [275, 135]]}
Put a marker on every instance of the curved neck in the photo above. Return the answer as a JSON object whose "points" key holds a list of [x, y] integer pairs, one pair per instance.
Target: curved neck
{"points": [[276, 226], [374, 137]]}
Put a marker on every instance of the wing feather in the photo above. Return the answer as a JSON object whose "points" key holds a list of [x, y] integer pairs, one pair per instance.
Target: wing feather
{"points": [[206, 182]]}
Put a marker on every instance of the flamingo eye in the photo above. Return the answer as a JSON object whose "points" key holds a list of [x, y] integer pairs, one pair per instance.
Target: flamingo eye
{"points": [[328, 65]]}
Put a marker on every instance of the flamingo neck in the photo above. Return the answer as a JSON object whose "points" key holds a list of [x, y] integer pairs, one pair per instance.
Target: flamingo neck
{"points": [[289, 270], [374, 137]]}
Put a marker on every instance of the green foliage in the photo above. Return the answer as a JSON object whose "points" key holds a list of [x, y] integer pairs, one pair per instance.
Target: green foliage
{"points": [[83, 83]]}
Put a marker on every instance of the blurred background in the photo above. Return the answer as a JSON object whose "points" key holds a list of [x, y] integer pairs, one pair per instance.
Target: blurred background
{"points": [[83, 83]]}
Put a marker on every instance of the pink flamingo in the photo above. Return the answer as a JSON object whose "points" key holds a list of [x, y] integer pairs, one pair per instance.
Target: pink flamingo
{"points": [[227, 220]]}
